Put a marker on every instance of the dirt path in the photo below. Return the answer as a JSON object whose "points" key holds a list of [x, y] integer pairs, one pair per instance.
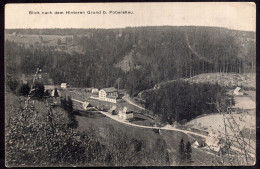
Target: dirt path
{"points": [[132, 103]]}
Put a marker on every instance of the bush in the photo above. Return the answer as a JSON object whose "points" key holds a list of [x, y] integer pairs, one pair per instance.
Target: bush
{"points": [[24, 90], [38, 90], [32, 141], [46, 93]]}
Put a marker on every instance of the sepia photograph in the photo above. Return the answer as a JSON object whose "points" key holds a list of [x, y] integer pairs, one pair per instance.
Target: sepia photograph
{"points": [[130, 84]]}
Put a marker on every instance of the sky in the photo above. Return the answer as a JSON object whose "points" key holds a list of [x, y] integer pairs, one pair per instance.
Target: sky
{"points": [[232, 15]]}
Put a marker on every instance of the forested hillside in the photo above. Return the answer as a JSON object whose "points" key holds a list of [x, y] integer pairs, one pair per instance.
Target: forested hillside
{"points": [[181, 100], [157, 54]]}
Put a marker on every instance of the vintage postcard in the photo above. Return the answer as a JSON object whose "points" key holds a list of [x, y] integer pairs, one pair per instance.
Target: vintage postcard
{"points": [[130, 84]]}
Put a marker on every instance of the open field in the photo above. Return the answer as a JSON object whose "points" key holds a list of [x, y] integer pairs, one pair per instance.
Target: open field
{"points": [[47, 40], [50, 40], [245, 102], [251, 95], [244, 121]]}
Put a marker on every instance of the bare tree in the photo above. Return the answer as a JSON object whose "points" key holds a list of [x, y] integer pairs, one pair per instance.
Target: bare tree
{"points": [[236, 148]]}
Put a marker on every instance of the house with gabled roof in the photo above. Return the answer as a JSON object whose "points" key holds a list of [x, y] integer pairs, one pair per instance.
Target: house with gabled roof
{"points": [[125, 114], [86, 105], [238, 91], [108, 94], [199, 143]]}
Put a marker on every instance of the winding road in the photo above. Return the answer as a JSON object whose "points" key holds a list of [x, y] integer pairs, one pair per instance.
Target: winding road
{"points": [[116, 118], [169, 128]]}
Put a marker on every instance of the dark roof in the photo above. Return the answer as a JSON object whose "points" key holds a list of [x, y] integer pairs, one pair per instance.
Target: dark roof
{"points": [[109, 90], [129, 112]]}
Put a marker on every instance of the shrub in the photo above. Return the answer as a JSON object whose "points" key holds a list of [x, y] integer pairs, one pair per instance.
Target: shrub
{"points": [[38, 90], [24, 90]]}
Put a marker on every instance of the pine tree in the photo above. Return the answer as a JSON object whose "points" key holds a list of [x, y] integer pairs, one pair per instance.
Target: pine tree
{"points": [[56, 94], [38, 90], [181, 157], [69, 105], [188, 152]]}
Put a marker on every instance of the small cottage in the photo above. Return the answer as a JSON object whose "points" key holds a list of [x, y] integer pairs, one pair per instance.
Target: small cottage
{"points": [[86, 105], [199, 144], [238, 91], [124, 114], [63, 85], [94, 90]]}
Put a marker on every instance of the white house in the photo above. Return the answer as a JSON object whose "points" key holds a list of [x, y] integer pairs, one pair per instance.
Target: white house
{"points": [[108, 94], [94, 90], [124, 114], [199, 143], [85, 105], [238, 91], [63, 85]]}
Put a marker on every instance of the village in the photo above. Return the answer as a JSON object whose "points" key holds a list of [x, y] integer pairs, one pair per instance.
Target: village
{"points": [[114, 104], [99, 86]]}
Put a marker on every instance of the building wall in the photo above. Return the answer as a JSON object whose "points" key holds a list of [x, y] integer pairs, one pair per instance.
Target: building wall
{"points": [[122, 116], [102, 94], [130, 116], [64, 86], [110, 100]]}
